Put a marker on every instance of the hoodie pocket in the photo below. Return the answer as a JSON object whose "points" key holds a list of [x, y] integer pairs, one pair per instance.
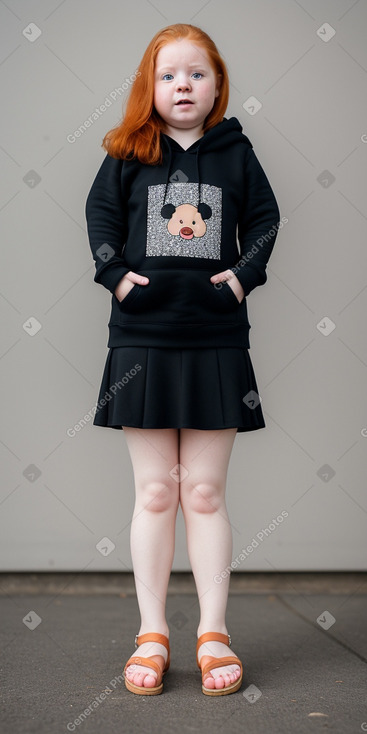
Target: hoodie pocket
{"points": [[178, 295], [227, 292], [130, 296]]}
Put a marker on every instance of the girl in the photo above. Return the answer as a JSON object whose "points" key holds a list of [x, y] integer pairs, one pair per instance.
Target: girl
{"points": [[179, 185]]}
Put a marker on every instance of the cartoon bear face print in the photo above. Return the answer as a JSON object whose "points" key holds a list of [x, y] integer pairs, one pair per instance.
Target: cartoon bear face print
{"points": [[183, 221], [186, 221]]}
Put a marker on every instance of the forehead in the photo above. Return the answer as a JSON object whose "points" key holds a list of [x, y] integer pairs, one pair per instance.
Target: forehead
{"points": [[182, 52]]}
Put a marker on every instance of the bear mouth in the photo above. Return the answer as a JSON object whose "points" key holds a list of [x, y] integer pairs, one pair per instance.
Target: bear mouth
{"points": [[186, 233]]}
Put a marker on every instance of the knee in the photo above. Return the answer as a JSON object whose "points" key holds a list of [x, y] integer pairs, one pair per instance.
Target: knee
{"points": [[158, 497], [204, 497]]}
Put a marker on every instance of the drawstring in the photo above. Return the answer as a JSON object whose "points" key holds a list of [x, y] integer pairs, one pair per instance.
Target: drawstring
{"points": [[169, 169], [198, 175]]}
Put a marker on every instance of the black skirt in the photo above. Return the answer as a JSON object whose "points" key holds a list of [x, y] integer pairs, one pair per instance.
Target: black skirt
{"points": [[155, 387]]}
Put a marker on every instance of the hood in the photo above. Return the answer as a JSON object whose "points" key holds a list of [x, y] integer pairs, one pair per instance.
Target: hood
{"points": [[221, 136]]}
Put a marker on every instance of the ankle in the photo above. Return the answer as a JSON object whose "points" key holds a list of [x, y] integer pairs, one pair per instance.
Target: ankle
{"points": [[158, 629], [202, 629]]}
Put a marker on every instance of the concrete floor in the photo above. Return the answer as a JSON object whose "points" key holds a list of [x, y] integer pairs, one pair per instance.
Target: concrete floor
{"points": [[303, 672]]}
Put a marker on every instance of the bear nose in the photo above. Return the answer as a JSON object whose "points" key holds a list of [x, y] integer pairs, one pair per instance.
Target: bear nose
{"points": [[187, 231]]}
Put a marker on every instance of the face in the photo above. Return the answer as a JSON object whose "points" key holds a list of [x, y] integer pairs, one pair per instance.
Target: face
{"points": [[183, 72]]}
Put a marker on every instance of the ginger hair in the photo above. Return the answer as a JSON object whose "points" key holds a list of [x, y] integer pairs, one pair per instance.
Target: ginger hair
{"points": [[138, 135]]}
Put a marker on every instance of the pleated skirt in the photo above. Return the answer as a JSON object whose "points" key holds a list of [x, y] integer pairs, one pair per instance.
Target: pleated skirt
{"points": [[155, 387]]}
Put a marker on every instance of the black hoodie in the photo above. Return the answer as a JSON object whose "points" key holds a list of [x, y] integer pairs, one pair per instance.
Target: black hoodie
{"points": [[178, 224]]}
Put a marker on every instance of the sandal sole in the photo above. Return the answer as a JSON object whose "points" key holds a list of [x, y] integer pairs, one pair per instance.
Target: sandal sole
{"points": [[222, 691], [142, 691]]}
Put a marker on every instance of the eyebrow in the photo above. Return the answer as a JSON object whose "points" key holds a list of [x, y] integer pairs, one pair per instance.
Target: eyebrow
{"points": [[171, 66]]}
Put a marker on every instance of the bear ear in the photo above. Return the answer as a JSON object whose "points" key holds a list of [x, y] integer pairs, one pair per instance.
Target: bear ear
{"points": [[204, 210], [167, 211]]}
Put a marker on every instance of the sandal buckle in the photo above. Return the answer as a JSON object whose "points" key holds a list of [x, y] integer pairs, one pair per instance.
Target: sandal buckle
{"points": [[136, 641], [229, 641]]}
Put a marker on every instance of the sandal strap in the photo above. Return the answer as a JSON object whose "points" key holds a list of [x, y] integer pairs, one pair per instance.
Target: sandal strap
{"points": [[219, 663], [155, 637], [152, 637], [210, 637], [148, 662]]}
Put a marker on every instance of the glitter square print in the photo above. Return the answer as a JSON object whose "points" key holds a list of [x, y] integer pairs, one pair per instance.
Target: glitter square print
{"points": [[181, 226]]}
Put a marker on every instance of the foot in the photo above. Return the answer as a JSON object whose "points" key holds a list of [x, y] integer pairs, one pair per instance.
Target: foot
{"points": [[219, 677], [141, 675]]}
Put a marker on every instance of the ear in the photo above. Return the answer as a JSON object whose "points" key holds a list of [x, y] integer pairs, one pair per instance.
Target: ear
{"points": [[167, 211], [204, 210]]}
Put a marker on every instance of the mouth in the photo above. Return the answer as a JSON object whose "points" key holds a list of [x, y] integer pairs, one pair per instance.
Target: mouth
{"points": [[184, 102], [186, 233]]}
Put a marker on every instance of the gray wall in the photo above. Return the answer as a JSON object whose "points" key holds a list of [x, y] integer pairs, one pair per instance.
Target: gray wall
{"points": [[61, 494]]}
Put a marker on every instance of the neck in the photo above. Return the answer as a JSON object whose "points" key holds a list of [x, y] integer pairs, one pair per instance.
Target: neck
{"points": [[183, 137]]}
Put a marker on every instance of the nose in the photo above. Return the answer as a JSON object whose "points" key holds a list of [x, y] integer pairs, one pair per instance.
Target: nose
{"points": [[183, 84]]}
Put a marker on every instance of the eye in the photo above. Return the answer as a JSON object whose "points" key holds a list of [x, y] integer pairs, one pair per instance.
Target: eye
{"points": [[197, 73], [181, 221], [193, 222], [168, 74]]}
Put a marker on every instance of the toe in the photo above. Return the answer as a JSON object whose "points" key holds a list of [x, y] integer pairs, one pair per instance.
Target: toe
{"points": [[209, 682], [129, 672], [150, 681], [224, 679], [139, 679]]}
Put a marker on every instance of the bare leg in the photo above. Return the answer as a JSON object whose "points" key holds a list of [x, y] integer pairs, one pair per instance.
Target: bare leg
{"points": [[153, 453], [205, 456]]}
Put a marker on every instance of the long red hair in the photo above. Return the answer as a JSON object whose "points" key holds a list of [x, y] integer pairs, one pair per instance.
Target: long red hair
{"points": [[138, 135]]}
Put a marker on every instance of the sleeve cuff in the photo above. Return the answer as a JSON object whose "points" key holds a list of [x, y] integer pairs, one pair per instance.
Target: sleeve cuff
{"points": [[249, 277], [111, 278]]}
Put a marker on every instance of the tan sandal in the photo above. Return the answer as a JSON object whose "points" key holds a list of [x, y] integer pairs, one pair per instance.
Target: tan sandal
{"points": [[208, 662], [150, 662]]}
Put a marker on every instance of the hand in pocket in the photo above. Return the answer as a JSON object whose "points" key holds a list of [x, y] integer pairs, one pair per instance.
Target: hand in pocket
{"points": [[127, 283], [231, 278]]}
